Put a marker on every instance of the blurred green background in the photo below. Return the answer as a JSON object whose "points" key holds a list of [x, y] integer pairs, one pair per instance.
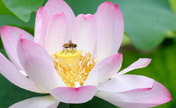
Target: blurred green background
{"points": [[150, 31]]}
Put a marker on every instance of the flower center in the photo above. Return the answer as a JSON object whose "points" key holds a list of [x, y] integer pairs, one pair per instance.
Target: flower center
{"points": [[73, 66]]}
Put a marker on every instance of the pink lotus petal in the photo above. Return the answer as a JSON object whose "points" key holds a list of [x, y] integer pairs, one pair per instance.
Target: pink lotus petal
{"points": [[138, 98], [56, 33], [41, 25], [38, 65], [74, 95], [110, 25], [9, 71], [123, 83], [104, 69], [56, 6], [37, 102], [141, 63], [9, 36], [84, 33]]}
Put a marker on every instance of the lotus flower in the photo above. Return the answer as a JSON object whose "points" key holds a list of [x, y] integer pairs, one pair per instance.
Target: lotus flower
{"points": [[72, 75]]}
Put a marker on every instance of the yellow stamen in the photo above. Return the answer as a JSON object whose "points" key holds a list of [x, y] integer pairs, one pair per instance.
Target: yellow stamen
{"points": [[73, 67]]}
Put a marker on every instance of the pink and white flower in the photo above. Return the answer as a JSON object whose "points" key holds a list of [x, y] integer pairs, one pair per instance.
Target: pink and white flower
{"points": [[32, 67]]}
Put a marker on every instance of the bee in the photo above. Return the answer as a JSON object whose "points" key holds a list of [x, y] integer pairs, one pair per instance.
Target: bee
{"points": [[70, 45], [74, 46]]}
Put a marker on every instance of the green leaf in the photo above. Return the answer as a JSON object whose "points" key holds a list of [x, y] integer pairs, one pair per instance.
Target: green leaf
{"points": [[173, 5], [4, 9], [11, 94], [23, 8], [1, 45], [162, 67], [146, 21], [63, 105], [85, 6], [3, 52], [14, 21]]}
